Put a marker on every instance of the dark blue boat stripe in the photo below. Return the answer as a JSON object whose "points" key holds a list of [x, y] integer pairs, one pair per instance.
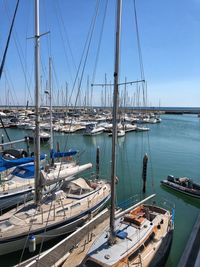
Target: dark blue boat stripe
{"points": [[16, 194], [55, 225]]}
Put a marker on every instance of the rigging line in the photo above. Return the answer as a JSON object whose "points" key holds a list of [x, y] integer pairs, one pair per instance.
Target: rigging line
{"points": [[30, 82], [98, 49], [10, 83], [5, 129], [88, 40], [84, 49], [55, 79], [139, 49], [22, 254], [27, 26], [44, 70], [35, 213], [47, 28], [67, 38], [87, 52], [138, 42], [143, 76], [19, 51], [8, 40], [11, 89], [63, 39], [41, 244]]}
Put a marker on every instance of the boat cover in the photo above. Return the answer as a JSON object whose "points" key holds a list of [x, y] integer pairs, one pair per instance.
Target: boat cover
{"points": [[80, 182], [121, 234], [25, 171], [9, 163], [68, 153]]}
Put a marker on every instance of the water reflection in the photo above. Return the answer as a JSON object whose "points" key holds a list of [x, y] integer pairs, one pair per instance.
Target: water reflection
{"points": [[187, 199]]}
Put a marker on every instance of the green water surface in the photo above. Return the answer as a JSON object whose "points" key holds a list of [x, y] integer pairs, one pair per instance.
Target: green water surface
{"points": [[173, 147]]}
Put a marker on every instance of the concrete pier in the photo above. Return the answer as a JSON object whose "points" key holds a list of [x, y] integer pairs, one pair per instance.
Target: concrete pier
{"points": [[191, 253]]}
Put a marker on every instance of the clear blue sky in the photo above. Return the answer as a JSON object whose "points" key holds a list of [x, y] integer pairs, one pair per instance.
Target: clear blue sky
{"points": [[170, 42]]}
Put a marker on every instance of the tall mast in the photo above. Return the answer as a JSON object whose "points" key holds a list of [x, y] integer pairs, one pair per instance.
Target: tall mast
{"points": [[50, 100], [66, 95], [115, 112], [37, 105]]}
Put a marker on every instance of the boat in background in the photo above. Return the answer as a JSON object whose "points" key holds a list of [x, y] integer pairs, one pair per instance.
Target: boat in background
{"points": [[44, 137], [19, 185], [93, 129], [142, 129], [120, 133], [10, 158], [182, 184]]}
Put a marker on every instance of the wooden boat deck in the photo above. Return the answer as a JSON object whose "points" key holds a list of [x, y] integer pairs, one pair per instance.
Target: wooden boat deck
{"points": [[138, 237]]}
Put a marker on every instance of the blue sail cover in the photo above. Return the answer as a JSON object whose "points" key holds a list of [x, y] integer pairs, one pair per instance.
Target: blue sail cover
{"points": [[68, 153], [24, 171], [9, 163]]}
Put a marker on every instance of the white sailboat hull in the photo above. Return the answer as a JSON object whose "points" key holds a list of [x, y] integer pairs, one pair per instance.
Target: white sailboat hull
{"points": [[23, 191], [69, 225]]}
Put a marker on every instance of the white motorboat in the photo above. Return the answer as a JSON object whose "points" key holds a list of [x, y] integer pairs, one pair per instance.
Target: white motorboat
{"points": [[93, 129], [44, 137]]}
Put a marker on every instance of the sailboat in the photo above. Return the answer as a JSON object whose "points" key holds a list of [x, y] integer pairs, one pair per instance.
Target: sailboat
{"points": [[140, 235], [18, 187], [57, 213], [19, 184], [17, 171]]}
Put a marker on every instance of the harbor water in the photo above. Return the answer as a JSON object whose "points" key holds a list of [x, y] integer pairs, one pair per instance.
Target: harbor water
{"points": [[173, 147]]}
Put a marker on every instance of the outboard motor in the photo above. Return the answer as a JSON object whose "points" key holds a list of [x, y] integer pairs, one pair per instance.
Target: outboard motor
{"points": [[170, 178]]}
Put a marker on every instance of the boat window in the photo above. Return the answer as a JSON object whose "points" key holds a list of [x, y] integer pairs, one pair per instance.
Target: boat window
{"points": [[135, 254], [90, 263], [61, 211], [5, 225], [149, 239], [75, 205], [30, 212]]}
